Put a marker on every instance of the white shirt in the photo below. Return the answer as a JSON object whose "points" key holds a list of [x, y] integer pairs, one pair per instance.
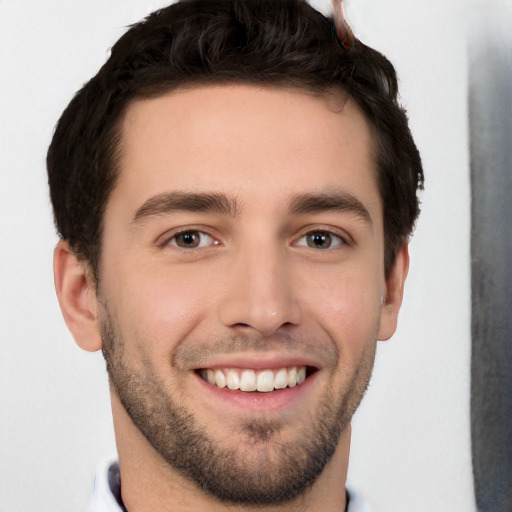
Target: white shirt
{"points": [[106, 486]]}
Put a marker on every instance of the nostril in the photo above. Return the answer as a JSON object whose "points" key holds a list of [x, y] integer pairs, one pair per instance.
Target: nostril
{"points": [[274, 330], [240, 326]]}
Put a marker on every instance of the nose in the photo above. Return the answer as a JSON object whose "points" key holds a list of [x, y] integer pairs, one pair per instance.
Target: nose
{"points": [[259, 291]]}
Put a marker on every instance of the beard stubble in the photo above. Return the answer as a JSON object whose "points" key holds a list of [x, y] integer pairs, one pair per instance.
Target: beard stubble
{"points": [[260, 471]]}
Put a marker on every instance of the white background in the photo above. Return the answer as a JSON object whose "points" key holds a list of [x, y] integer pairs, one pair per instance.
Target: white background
{"points": [[411, 436]]}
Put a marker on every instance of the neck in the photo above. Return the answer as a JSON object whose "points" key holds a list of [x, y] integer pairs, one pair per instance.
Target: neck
{"points": [[149, 483]]}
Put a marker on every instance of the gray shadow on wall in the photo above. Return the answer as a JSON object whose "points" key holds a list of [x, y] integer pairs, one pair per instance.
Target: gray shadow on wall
{"points": [[490, 110]]}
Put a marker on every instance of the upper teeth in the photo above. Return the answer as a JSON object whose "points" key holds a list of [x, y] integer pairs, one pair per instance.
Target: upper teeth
{"points": [[252, 380]]}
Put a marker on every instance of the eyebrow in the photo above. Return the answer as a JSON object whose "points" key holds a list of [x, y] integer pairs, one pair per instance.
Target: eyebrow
{"points": [[176, 201], [338, 201], [217, 202]]}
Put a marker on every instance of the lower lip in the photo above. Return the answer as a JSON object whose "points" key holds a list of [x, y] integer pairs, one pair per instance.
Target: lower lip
{"points": [[257, 401]]}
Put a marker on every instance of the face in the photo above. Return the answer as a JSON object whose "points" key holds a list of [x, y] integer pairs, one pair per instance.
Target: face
{"points": [[241, 283]]}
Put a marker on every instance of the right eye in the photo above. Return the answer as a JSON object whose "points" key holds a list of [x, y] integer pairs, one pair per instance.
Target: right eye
{"points": [[192, 239]]}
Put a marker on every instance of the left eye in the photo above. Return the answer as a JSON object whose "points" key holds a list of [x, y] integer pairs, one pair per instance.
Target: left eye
{"points": [[191, 239], [320, 240]]}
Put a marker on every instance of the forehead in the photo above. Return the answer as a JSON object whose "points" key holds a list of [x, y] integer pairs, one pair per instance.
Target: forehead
{"points": [[256, 141]]}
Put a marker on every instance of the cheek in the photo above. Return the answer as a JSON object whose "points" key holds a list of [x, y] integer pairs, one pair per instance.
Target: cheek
{"points": [[157, 309], [345, 289], [347, 306]]}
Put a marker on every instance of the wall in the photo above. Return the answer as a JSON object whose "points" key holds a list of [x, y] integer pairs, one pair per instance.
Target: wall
{"points": [[411, 438]]}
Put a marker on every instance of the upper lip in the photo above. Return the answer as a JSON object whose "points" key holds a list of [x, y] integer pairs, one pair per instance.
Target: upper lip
{"points": [[258, 361]]}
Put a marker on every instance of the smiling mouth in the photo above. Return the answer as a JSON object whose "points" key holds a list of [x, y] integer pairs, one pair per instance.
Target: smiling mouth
{"points": [[248, 380]]}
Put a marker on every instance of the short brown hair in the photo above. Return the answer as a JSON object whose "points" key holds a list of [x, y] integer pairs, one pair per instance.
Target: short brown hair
{"points": [[286, 43]]}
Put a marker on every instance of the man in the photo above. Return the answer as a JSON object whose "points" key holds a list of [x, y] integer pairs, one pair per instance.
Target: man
{"points": [[234, 191]]}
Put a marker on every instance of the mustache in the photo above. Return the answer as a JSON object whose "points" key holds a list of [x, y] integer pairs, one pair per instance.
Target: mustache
{"points": [[192, 353]]}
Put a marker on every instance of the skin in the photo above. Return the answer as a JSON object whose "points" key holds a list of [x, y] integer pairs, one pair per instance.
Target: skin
{"points": [[254, 290]]}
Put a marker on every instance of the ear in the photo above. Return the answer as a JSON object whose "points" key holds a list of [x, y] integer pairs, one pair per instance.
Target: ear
{"points": [[394, 293], [76, 292]]}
